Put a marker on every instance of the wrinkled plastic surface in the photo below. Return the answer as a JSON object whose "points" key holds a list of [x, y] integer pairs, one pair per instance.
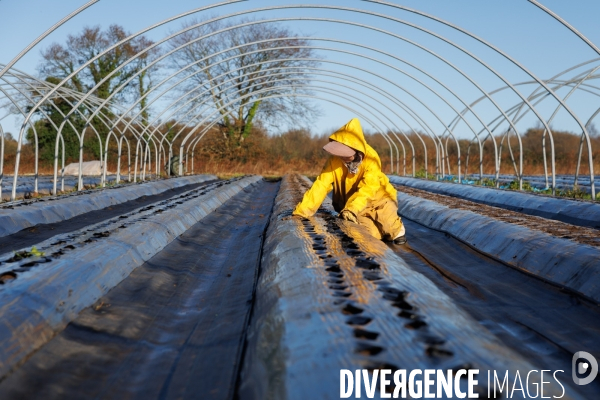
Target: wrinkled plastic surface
{"points": [[173, 329], [581, 213], [331, 297], [34, 308], [560, 261], [58, 209], [540, 321]]}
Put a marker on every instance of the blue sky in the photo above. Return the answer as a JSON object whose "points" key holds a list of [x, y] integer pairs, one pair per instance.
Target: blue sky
{"points": [[517, 27]]}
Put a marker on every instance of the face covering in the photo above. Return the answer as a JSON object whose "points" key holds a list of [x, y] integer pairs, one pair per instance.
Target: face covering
{"points": [[354, 164]]}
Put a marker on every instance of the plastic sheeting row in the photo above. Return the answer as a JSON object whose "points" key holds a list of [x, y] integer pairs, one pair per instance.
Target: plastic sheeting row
{"points": [[581, 213], [33, 308], [55, 209], [332, 297], [560, 261]]}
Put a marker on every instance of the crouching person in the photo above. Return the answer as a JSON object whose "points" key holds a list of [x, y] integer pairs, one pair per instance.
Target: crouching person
{"points": [[361, 192]]}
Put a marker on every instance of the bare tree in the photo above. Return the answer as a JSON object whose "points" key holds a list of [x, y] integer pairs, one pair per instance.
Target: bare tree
{"points": [[60, 61], [232, 65]]}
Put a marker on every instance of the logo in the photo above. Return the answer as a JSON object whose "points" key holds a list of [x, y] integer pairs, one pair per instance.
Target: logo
{"points": [[584, 362], [418, 384]]}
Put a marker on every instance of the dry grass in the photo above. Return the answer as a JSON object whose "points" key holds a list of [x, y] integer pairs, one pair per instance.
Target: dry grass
{"points": [[299, 152]]}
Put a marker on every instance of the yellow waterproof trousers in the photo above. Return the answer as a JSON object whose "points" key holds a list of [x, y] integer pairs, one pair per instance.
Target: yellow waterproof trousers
{"points": [[381, 219]]}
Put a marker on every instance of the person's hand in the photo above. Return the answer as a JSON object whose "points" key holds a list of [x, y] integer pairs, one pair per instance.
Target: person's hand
{"points": [[348, 216]]}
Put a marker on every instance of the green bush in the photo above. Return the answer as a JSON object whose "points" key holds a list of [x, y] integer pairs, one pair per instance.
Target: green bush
{"points": [[514, 185], [575, 193], [488, 182]]}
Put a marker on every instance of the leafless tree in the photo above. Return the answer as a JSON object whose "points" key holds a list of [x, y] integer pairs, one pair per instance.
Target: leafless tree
{"points": [[59, 61], [231, 65]]}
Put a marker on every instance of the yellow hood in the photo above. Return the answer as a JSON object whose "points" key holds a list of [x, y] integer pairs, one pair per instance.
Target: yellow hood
{"points": [[351, 135]]}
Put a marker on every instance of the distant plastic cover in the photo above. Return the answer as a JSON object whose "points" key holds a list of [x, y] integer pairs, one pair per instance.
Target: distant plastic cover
{"points": [[89, 168]]}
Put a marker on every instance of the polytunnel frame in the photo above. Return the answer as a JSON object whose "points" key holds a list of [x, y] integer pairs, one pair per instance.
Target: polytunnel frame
{"points": [[103, 118], [279, 39], [156, 118], [264, 21], [290, 95], [25, 79], [182, 80], [358, 113], [366, 85], [331, 75], [204, 121], [499, 117], [573, 89], [183, 96], [428, 16], [346, 22], [517, 117], [390, 141], [19, 109], [46, 85], [310, 6], [199, 137], [580, 81], [161, 141], [16, 104], [370, 48], [523, 68], [83, 66], [449, 42], [521, 104], [190, 100], [383, 127], [516, 109], [104, 151]]}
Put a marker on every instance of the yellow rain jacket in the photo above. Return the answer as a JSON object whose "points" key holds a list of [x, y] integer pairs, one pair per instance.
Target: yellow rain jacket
{"points": [[353, 192]]}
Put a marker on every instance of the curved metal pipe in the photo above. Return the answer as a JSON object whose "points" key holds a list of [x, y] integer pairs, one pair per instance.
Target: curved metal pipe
{"points": [[399, 103], [589, 148], [199, 137], [345, 22], [365, 118], [364, 94], [302, 7], [59, 135], [237, 26], [44, 35], [565, 23], [520, 66]]}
